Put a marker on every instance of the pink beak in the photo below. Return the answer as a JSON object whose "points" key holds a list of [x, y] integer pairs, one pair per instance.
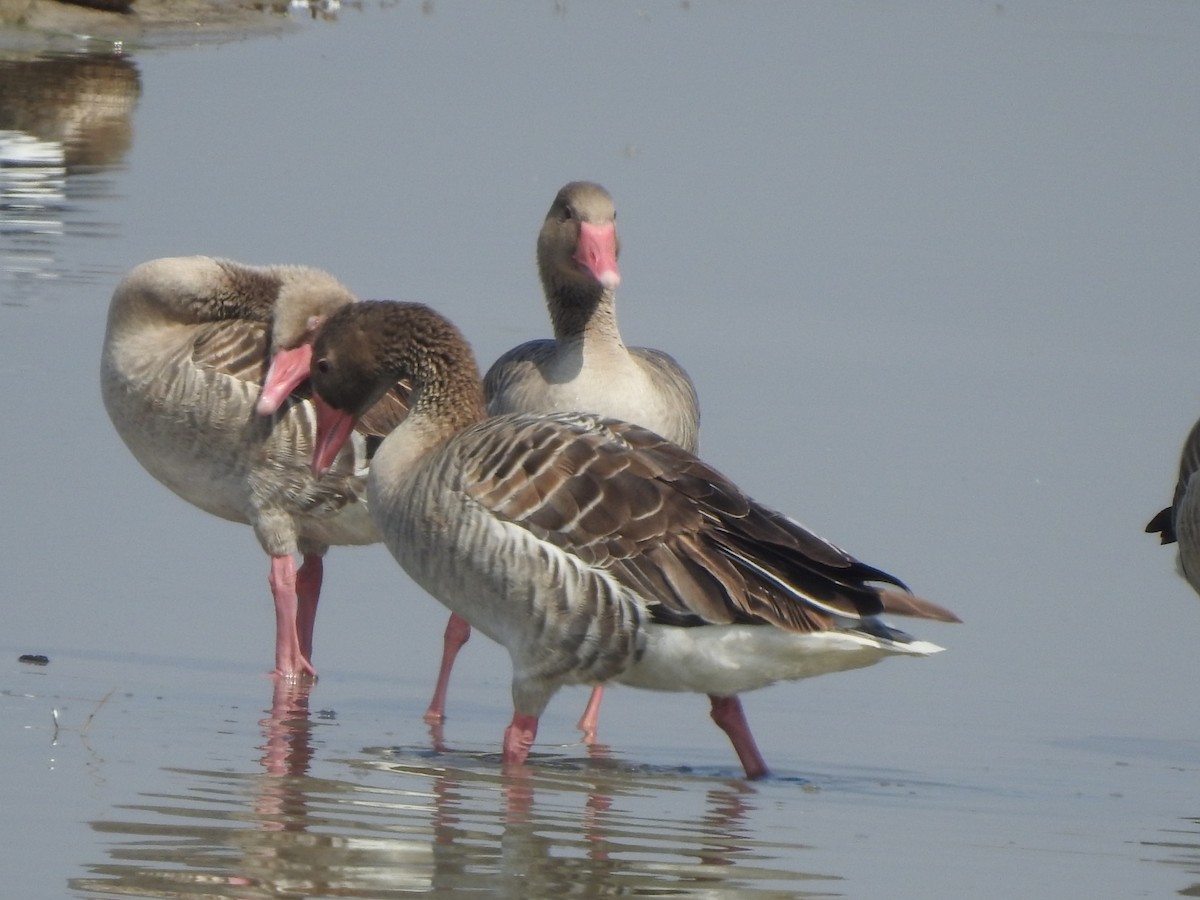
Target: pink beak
{"points": [[333, 430], [288, 369], [597, 252]]}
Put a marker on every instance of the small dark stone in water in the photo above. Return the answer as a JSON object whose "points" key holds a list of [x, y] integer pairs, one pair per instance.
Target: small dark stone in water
{"points": [[34, 659]]}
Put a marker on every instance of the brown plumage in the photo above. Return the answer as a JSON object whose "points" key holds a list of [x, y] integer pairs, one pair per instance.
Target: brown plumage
{"points": [[586, 366], [187, 348], [591, 548]]}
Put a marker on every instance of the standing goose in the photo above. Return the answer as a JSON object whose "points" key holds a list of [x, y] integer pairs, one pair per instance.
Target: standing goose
{"points": [[590, 548], [1181, 520], [586, 367], [181, 370]]}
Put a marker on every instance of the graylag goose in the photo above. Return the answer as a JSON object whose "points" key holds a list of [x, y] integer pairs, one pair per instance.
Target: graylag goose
{"points": [[184, 359], [1180, 522], [590, 548], [586, 367]]}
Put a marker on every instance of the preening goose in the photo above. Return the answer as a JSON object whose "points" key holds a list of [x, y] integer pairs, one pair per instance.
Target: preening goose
{"points": [[1180, 522], [184, 359], [590, 548], [586, 367]]}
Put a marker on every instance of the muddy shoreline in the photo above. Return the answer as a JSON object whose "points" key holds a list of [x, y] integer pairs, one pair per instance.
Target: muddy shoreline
{"points": [[30, 24]]}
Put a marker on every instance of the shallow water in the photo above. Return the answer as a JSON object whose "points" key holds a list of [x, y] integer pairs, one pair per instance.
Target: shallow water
{"points": [[932, 267]]}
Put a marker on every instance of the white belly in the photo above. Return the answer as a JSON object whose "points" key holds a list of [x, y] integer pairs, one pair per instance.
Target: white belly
{"points": [[732, 659]]}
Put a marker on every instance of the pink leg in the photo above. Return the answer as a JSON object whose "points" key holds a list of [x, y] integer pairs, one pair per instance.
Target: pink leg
{"points": [[518, 738], [308, 593], [458, 630], [587, 722], [728, 714], [289, 660]]}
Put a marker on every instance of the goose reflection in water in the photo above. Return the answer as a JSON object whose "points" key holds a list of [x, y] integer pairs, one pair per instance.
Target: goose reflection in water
{"points": [[406, 821], [275, 832], [64, 121]]}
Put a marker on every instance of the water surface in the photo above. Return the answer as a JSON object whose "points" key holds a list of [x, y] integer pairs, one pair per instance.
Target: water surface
{"points": [[932, 267]]}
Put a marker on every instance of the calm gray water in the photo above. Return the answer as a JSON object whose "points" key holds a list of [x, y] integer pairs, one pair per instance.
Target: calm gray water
{"points": [[933, 268]]}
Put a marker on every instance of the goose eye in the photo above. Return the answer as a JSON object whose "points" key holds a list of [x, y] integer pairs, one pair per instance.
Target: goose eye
{"points": [[568, 213], [323, 366]]}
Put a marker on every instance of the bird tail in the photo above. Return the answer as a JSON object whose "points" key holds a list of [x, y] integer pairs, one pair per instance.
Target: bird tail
{"points": [[901, 603]]}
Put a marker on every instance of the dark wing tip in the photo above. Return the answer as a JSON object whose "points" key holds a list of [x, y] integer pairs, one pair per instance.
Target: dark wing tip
{"points": [[1163, 524]]}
